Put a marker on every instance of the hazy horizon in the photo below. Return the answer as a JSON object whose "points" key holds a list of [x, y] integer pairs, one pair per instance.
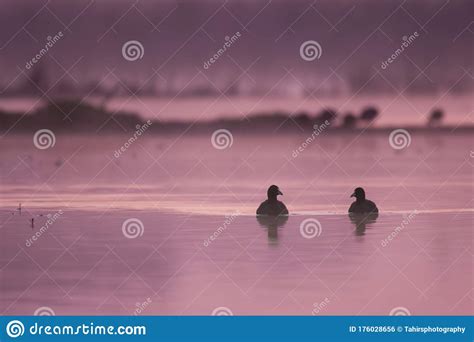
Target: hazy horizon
{"points": [[356, 38], [108, 209]]}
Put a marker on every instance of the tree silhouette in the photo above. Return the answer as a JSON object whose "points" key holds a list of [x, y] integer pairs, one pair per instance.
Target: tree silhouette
{"points": [[302, 119], [349, 121], [369, 114], [436, 117], [326, 114]]}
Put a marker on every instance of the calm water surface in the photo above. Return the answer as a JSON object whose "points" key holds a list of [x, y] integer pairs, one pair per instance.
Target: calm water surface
{"points": [[417, 254]]}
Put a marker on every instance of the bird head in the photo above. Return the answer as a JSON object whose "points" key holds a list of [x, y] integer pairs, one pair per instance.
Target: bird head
{"points": [[359, 194]]}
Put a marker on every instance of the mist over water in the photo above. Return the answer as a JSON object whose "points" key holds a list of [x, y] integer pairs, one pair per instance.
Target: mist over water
{"points": [[356, 39], [138, 138], [184, 190], [189, 174]]}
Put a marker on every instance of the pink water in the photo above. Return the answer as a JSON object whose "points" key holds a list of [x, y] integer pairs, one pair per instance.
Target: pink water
{"points": [[182, 189]]}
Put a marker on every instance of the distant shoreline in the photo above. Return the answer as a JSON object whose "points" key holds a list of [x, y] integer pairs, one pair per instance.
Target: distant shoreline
{"points": [[198, 131], [77, 117]]}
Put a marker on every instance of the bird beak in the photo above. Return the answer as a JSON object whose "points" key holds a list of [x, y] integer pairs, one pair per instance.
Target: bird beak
{"points": [[353, 195], [280, 193]]}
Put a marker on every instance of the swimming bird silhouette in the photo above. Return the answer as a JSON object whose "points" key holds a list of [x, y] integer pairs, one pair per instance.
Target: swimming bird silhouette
{"points": [[272, 206], [361, 204]]}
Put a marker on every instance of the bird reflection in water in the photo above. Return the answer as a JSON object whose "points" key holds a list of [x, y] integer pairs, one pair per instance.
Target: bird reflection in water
{"points": [[272, 223], [361, 220]]}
